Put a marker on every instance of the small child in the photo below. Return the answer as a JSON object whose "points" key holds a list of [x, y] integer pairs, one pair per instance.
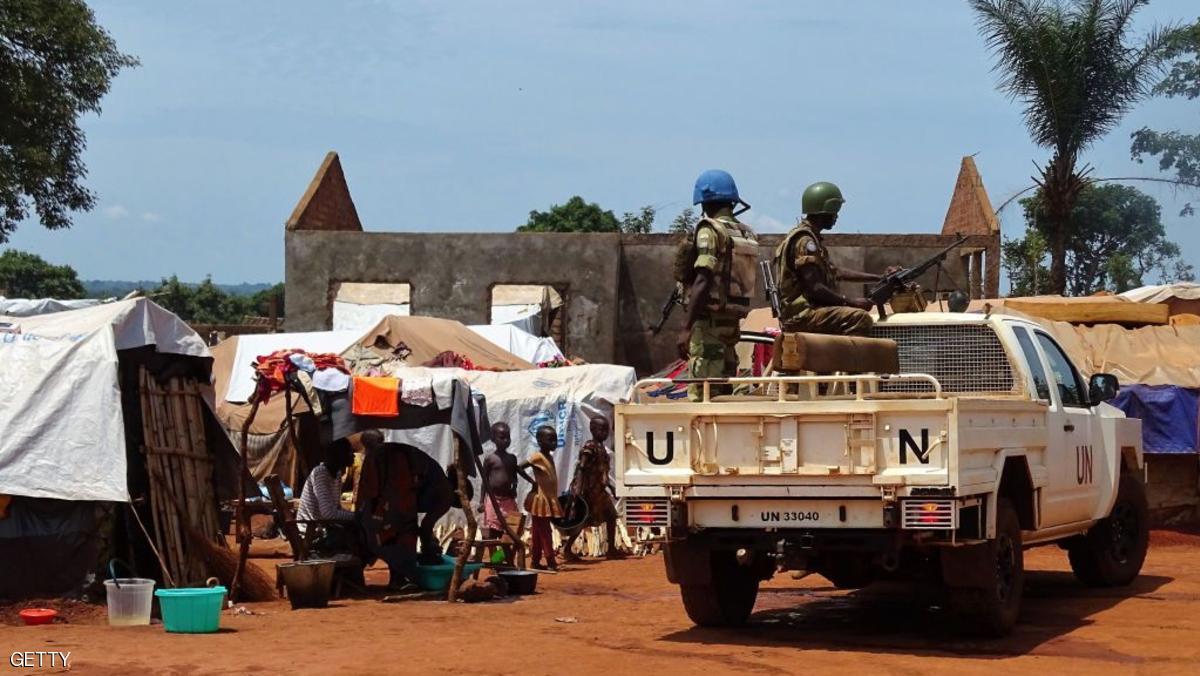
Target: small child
{"points": [[542, 502]]}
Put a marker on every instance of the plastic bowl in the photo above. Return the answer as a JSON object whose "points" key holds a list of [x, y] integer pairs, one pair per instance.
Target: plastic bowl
{"points": [[437, 577], [33, 616], [191, 610]]}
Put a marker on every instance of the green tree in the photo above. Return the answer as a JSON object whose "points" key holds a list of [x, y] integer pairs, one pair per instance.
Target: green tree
{"points": [[576, 215], [640, 223], [56, 64], [684, 223], [260, 302], [26, 275], [1075, 68], [1177, 151], [203, 303], [1117, 240]]}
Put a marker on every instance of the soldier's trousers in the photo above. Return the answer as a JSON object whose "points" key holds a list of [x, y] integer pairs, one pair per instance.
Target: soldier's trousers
{"points": [[839, 320], [712, 353]]}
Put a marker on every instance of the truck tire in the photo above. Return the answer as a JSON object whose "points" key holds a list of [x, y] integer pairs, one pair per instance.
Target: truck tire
{"points": [[728, 600], [992, 608], [1112, 552]]}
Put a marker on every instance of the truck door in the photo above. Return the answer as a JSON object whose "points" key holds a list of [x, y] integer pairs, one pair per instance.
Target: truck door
{"points": [[1071, 464]]}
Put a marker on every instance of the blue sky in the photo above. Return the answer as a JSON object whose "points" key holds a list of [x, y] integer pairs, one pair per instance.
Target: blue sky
{"points": [[464, 116]]}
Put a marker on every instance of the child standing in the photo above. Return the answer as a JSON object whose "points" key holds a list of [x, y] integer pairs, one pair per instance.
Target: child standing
{"points": [[542, 502]]}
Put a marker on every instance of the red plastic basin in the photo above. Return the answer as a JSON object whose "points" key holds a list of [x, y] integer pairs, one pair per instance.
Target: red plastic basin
{"points": [[38, 615]]}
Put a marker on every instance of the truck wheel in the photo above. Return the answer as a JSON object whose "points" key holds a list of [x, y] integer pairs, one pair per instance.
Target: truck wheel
{"points": [[1112, 552], [728, 599], [992, 609]]}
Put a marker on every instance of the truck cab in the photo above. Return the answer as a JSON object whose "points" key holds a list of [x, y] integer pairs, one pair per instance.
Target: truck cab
{"points": [[986, 441]]}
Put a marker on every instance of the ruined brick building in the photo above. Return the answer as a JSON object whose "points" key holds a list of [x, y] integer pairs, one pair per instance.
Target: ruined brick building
{"points": [[612, 285]]}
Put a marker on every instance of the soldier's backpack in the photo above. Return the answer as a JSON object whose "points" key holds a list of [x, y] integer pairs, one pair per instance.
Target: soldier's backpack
{"points": [[683, 269]]}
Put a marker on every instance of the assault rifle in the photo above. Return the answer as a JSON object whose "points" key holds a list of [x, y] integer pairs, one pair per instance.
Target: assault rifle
{"points": [[897, 281], [769, 286], [675, 299]]}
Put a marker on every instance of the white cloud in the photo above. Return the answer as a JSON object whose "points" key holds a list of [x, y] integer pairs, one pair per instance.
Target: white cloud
{"points": [[151, 217], [115, 213], [766, 223]]}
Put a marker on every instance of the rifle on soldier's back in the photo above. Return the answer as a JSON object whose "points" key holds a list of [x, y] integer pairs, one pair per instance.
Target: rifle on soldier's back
{"points": [[669, 306], [770, 288], [897, 281]]}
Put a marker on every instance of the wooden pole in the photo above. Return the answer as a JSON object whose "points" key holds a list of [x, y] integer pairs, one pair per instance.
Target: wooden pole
{"points": [[243, 523], [472, 525]]}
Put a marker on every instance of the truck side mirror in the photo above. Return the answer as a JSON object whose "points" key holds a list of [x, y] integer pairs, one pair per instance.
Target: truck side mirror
{"points": [[1102, 387]]}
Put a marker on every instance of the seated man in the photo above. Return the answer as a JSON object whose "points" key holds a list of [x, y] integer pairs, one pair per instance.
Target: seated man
{"points": [[320, 498], [435, 497]]}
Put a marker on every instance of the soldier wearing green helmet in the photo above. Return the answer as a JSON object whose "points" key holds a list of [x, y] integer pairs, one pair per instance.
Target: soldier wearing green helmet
{"points": [[808, 281]]}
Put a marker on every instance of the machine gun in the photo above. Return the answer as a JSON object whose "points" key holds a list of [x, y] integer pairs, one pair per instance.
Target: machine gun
{"points": [[894, 282], [769, 286], [669, 306]]}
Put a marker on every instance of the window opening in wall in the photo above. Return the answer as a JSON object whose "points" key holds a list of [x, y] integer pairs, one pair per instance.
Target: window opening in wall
{"points": [[358, 306], [537, 309]]}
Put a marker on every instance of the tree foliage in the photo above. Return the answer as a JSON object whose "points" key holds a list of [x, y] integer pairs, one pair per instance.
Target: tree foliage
{"points": [[576, 215], [207, 303], [685, 222], [56, 64], [640, 223], [1177, 151], [579, 215], [26, 275], [1117, 241], [1075, 68]]}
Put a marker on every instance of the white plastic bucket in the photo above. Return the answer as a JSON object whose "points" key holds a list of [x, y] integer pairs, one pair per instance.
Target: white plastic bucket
{"points": [[129, 601]]}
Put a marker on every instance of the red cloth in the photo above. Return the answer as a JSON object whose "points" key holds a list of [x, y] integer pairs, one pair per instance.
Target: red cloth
{"points": [[542, 544], [273, 369]]}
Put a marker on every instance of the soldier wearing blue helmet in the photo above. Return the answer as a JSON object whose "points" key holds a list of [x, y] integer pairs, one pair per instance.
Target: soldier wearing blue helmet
{"points": [[719, 283]]}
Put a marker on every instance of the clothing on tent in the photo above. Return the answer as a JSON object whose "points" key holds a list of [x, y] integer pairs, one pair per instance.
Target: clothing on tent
{"points": [[417, 391], [273, 369], [375, 396], [310, 392], [1169, 416], [331, 380]]}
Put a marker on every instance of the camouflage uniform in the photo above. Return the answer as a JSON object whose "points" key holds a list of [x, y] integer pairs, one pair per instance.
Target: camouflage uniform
{"points": [[711, 348], [801, 247]]}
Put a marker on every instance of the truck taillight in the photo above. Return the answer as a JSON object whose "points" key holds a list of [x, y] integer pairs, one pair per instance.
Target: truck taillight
{"points": [[929, 514], [647, 512]]}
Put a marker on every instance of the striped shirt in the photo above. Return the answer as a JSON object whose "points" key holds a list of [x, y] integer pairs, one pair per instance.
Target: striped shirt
{"points": [[320, 499]]}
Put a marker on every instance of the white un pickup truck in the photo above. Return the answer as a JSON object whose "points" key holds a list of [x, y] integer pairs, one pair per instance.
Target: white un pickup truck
{"points": [[985, 443]]}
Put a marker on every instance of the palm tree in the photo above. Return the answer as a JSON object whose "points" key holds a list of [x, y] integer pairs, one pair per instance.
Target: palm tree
{"points": [[1076, 69]]}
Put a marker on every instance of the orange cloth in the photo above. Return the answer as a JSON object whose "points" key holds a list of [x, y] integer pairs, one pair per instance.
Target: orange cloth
{"points": [[376, 396]]}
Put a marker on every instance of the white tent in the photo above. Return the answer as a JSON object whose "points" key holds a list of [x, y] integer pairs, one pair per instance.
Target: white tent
{"points": [[62, 434], [525, 345], [29, 307]]}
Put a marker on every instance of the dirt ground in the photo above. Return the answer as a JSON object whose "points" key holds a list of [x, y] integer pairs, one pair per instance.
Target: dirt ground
{"points": [[622, 616]]}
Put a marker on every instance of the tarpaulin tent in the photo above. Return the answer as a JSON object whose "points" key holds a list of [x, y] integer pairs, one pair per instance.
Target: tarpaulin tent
{"points": [[1170, 416], [71, 436], [61, 430], [523, 344], [517, 394]]}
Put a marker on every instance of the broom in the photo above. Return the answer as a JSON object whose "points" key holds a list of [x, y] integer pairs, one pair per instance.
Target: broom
{"points": [[222, 562]]}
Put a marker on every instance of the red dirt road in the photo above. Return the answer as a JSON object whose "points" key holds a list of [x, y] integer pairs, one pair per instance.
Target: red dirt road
{"points": [[623, 617]]}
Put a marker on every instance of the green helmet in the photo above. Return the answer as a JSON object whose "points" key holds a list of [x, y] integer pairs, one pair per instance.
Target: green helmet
{"points": [[822, 198]]}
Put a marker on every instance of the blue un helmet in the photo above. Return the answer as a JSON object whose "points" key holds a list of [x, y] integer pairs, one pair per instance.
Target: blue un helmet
{"points": [[716, 185]]}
